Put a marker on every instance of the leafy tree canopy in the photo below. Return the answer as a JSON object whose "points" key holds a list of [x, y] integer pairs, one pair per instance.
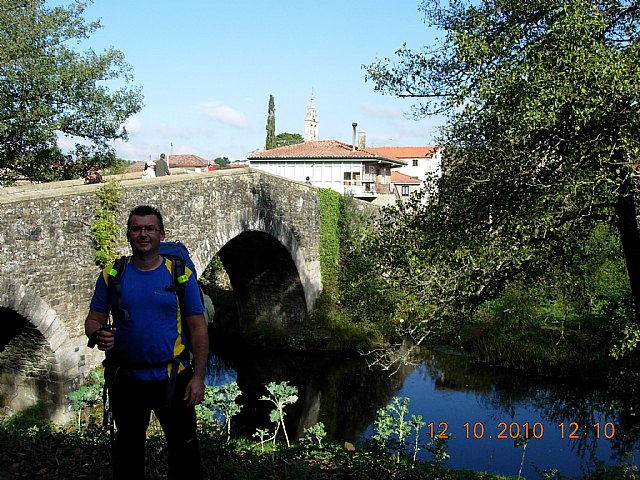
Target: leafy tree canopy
{"points": [[284, 139], [541, 144], [47, 88], [222, 161]]}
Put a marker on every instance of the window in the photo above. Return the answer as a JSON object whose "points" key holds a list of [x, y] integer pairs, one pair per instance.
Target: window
{"points": [[405, 190], [351, 178], [414, 162]]}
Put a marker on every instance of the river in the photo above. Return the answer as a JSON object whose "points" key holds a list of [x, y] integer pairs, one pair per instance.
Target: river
{"points": [[481, 410]]}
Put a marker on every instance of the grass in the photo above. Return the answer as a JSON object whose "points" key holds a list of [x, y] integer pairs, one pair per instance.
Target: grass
{"points": [[537, 350], [48, 452]]}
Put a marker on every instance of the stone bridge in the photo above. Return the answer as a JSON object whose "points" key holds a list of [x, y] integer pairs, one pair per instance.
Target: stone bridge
{"points": [[265, 229]]}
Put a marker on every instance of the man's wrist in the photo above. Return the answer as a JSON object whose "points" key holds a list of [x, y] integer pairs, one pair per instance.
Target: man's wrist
{"points": [[93, 339]]}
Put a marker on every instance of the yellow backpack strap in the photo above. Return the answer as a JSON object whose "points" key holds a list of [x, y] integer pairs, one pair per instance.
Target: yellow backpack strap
{"points": [[112, 275]]}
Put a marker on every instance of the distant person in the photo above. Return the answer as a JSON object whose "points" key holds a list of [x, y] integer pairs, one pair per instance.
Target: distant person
{"points": [[211, 166], [93, 176], [149, 170], [307, 181], [162, 167]]}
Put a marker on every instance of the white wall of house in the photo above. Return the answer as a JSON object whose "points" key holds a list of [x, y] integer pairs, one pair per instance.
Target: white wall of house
{"points": [[420, 167], [342, 176]]}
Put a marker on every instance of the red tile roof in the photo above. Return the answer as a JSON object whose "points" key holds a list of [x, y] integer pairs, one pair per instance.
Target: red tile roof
{"points": [[187, 160], [322, 149], [136, 167], [397, 177], [406, 152]]}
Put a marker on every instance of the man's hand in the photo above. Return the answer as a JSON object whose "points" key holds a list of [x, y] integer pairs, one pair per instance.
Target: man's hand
{"points": [[100, 333], [105, 338], [194, 393]]}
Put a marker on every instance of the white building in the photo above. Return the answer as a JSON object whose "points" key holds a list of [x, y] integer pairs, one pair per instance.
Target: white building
{"points": [[331, 164], [420, 160], [347, 169]]}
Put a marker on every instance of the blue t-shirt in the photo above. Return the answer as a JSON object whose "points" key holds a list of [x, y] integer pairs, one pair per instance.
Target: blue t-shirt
{"points": [[154, 335]]}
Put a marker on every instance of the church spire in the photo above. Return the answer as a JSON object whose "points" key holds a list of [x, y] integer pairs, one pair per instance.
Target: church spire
{"points": [[311, 123]]}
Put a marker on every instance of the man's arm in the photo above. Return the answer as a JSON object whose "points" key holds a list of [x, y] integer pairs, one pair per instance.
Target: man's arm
{"points": [[199, 337], [93, 329]]}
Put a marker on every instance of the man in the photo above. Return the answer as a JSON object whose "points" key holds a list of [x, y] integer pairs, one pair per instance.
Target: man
{"points": [[147, 362], [162, 168]]}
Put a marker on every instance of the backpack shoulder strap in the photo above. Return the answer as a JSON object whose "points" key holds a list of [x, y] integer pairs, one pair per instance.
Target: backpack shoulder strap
{"points": [[114, 272], [112, 278]]}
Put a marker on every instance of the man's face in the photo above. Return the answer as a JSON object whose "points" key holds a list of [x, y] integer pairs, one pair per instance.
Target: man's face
{"points": [[144, 234]]}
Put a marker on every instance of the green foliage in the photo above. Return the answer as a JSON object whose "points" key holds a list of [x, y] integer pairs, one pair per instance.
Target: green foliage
{"points": [[315, 432], [541, 142], [219, 402], [281, 395], [87, 395], [32, 418], [392, 428], [284, 139], [47, 88], [330, 206], [104, 228], [271, 125], [437, 447], [119, 167], [364, 296], [221, 161]]}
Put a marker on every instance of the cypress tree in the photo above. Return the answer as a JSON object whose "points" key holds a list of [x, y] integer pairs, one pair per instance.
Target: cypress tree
{"points": [[271, 125]]}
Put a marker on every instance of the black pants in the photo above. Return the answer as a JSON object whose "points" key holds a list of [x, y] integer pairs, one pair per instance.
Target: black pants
{"points": [[132, 402]]}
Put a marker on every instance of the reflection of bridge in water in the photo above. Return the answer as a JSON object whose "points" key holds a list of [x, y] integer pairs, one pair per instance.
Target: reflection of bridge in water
{"points": [[266, 230], [334, 388]]}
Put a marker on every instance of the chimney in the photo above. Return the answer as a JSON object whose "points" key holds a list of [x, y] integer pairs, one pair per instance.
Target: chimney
{"points": [[362, 140], [353, 144]]}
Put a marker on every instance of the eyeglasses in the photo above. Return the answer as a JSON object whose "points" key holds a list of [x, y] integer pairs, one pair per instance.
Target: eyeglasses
{"points": [[139, 229]]}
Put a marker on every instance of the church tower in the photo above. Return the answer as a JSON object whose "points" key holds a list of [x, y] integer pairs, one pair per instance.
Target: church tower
{"points": [[311, 123]]}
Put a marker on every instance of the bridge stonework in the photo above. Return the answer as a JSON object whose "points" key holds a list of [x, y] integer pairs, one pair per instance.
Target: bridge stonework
{"points": [[265, 229]]}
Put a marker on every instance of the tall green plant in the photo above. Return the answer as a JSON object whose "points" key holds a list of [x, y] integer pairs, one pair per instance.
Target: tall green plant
{"points": [[219, 401], [104, 229], [392, 427], [281, 394]]}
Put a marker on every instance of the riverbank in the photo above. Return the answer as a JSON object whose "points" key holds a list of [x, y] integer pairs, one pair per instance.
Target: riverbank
{"points": [[48, 453]]}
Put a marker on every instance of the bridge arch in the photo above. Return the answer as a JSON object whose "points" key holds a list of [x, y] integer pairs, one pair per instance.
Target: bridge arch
{"points": [[33, 352], [268, 272]]}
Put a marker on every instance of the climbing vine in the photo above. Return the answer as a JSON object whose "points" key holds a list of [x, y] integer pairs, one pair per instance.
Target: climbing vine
{"points": [[330, 205], [104, 228]]}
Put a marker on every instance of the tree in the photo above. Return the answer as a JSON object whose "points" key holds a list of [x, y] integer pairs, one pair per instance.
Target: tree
{"points": [[284, 139], [222, 161], [541, 143], [271, 125], [47, 88]]}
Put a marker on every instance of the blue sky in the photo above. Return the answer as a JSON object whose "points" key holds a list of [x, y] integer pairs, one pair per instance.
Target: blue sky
{"points": [[207, 69]]}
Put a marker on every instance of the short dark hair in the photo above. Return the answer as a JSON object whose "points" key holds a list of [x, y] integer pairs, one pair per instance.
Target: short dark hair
{"points": [[142, 210]]}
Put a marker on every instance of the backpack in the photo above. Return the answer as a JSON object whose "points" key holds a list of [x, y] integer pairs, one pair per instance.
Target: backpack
{"points": [[93, 177], [178, 253]]}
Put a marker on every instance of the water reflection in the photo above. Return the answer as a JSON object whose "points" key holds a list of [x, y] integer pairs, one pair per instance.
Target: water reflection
{"points": [[476, 403]]}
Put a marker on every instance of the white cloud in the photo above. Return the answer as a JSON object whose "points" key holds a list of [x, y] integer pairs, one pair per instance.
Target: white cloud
{"points": [[133, 125], [225, 114]]}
